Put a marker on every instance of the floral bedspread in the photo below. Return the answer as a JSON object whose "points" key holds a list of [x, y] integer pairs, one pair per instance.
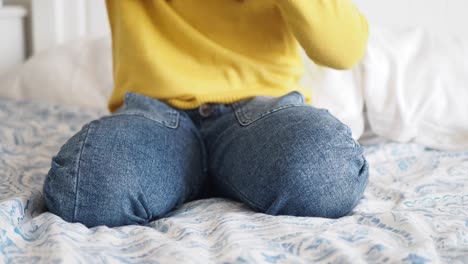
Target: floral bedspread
{"points": [[415, 210]]}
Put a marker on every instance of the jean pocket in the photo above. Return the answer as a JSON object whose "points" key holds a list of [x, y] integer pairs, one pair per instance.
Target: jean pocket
{"points": [[150, 108], [251, 110]]}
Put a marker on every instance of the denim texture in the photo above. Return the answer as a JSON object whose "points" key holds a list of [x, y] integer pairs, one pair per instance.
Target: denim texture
{"points": [[277, 155]]}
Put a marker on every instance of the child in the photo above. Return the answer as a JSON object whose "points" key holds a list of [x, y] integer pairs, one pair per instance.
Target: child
{"points": [[207, 103]]}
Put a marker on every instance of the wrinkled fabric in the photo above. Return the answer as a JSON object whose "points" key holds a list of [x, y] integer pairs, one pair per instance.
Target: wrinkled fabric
{"points": [[413, 210], [280, 156]]}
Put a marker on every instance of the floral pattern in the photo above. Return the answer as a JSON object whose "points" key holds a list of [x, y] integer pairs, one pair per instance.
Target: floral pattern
{"points": [[415, 210]]}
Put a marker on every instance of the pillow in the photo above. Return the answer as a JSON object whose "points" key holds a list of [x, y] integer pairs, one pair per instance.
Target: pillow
{"points": [[416, 87], [80, 73], [338, 91], [77, 73]]}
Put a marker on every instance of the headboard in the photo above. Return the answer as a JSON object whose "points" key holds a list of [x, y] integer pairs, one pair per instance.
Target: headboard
{"points": [[57, 21]]}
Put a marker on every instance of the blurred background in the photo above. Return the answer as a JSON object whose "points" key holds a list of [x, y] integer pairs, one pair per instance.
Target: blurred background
{"points": [[29, 26], [412, 84]]}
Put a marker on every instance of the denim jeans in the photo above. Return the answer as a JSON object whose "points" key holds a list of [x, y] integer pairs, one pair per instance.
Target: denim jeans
{"points": [[277, 155]]}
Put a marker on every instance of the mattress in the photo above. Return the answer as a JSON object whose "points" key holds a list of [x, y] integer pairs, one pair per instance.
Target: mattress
{"points": [[415, 210]]}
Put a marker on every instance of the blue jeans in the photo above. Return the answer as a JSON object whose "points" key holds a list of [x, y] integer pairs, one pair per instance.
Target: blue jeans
{"points": [[279, 156]]}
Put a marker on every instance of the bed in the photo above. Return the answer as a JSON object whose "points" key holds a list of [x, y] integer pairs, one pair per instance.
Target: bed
{"points": [[411, 120], [415, 210]]}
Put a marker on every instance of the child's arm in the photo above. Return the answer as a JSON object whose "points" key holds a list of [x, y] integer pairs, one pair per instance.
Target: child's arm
{"points": [[332, 32]]}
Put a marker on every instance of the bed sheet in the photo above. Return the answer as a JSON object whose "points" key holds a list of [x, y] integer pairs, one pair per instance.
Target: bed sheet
{"points": [[415, 210]]}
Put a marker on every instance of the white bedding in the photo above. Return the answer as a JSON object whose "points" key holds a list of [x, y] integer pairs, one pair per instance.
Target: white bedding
{"points": [[415, 210], [413, 84]]}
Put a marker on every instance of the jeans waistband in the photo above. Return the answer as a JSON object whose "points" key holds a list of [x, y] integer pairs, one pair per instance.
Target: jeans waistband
{"points": [[208, 110]]}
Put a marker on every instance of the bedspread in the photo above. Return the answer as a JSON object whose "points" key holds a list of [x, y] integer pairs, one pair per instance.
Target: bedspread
{"points": [[415, 210]]}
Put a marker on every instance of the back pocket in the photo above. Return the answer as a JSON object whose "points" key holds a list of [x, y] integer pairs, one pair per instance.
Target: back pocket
{"points": [[150, 108], [249, 111]]}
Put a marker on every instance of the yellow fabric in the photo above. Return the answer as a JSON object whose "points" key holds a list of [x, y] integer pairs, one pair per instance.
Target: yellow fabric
{"points": [[190, 52]]}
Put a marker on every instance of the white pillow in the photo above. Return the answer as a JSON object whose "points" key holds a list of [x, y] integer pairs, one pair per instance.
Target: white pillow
{"points": [[338, 91], [80, 73], [77, 73], [416, 87]]}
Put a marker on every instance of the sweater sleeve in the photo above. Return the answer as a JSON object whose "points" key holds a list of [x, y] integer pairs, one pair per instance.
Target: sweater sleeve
{"points": [[333, 33]]}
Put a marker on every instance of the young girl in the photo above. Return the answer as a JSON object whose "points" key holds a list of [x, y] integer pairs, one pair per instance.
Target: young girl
{"points": [[207, 103]]}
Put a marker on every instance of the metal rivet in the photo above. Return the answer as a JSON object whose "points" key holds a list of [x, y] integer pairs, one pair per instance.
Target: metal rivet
{"points": [[205, 110]]}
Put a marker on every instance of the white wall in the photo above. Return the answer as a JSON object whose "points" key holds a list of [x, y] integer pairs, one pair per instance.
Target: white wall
{"points": [[52, 22], [12, 48], [27, 23], [437, 15], [58, 21]]}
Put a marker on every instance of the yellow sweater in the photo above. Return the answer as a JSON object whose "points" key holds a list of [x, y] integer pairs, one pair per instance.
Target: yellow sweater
{"points": [[190, 52]]}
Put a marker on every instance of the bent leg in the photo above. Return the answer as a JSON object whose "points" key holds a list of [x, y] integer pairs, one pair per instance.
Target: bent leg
{"points": [[292, 160], [128, 168]]}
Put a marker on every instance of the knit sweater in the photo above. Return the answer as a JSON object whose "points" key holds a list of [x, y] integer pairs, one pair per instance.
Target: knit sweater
{"points": [[190, 52]]}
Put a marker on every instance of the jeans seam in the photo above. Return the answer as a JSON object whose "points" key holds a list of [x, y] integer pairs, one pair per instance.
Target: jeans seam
{"points": [[237, 109], [204, 165], [244, 121], [132, 97], [78, 171], [204, 156], [199, 137], [203, 148], [174, 124], [241, 194], [147, 211], [149, 216], [347, 128]]}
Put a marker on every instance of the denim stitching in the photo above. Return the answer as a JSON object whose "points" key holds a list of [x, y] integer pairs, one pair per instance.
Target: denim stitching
{"points": [[204, 157], [77, 169], [149, 215], [247, 121], [240, 115], [347, 128], [173, 124], [82, 146], [134, 97], [174, 118], [242, 195], [204, 165]]}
